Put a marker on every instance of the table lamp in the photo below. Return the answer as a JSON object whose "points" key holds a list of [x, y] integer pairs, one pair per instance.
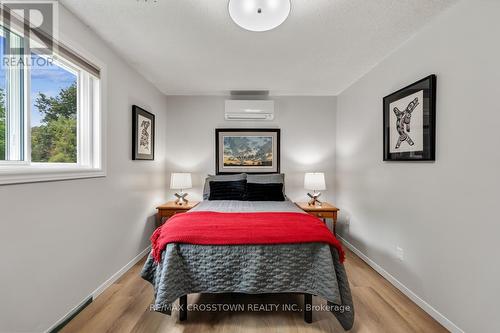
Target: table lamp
{"points": [[314, 181], [180, 181]]}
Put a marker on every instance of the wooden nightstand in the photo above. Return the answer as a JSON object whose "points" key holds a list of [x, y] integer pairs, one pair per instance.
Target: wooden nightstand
{"points": [[171, 208], [325, 211]]}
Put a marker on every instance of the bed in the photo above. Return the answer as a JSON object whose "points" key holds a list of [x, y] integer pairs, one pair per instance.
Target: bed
{"points": [[309, 269]]}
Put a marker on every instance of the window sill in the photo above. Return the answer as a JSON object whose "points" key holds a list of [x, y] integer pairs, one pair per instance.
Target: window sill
{"points": [[46, 173]]}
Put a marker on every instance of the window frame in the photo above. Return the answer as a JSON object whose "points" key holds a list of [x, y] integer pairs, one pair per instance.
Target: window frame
{"points": [[90, 135], [14, 131]]}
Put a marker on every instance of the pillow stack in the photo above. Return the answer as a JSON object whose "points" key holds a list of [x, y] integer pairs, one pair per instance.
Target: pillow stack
{"points": [[220, 178], [269, 187]]}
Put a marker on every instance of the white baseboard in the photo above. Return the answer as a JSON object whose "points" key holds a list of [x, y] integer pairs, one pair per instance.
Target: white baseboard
{"points": [[102, 287], [122, 271], [449, 325]]}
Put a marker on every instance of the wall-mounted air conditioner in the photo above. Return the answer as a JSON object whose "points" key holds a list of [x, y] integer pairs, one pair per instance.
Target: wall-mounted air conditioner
{"points": [[249, 110]]}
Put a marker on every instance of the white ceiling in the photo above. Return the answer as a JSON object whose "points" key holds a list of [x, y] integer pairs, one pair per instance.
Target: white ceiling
{"points": [[193, 47]]}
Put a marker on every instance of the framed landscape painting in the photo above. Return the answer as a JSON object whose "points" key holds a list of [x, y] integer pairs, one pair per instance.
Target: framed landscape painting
{"points": [[410, 122], [143, 134], [247, 150]]}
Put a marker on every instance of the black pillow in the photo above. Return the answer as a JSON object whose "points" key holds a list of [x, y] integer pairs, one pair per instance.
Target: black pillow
{"points": [[265, 192], [228, 190]]}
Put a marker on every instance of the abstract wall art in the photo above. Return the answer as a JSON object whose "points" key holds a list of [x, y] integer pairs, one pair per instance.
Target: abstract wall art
{"points": [[143, 134], [410, 122]]}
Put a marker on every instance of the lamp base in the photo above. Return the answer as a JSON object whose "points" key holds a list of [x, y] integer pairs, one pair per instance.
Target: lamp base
{"points": [[181, 199], [314, 199]]}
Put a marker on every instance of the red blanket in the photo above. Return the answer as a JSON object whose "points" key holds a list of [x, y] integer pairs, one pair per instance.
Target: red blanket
{"points": [[212, 228]]}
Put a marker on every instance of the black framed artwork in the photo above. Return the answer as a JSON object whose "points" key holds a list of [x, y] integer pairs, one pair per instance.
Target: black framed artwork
{"points": [[248, 150], [410, 122], [143, 134]]}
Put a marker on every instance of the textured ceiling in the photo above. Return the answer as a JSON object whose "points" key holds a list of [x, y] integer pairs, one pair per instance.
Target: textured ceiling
{"points": [[193, 47]]}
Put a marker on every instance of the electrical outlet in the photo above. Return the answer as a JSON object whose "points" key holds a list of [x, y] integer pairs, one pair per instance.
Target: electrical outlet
{"points": [[400, 253], [348, 219]]}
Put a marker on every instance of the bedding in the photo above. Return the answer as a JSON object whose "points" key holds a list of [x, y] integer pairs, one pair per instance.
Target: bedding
{"points": [[228, 190], [276, 178], [312, 268], [265, 192], [247, 206], [242, 229]]}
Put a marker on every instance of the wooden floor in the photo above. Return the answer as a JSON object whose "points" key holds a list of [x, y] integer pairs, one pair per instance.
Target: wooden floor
{"points": [[379, 307]]}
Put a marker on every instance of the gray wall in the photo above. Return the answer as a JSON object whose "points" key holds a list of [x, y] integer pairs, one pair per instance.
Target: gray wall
{"points": [[307, 138], [59, 241], [443, 214]]}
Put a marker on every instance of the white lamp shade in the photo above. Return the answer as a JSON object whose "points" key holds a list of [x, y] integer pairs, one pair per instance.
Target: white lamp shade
{"points": [[180, 181], [314, 181]]}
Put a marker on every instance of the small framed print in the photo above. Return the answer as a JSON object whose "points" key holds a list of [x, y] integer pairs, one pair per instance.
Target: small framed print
{"points": [[143, 134], [247, 150], [410, 122]]}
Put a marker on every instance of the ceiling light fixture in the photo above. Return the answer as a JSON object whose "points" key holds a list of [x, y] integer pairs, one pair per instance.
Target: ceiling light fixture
{"points": [[259, 15]]}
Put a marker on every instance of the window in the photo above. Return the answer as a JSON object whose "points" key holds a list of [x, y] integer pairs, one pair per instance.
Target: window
{"points": [[49, 114], [54, 110]]}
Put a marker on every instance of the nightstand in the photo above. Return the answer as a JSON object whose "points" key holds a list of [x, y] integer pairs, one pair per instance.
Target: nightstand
{"points": [[171, 208], [325, 211]]}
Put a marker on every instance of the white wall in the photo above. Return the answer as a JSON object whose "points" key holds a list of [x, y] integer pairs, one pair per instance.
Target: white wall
{"points": [[307, 138], [443, 214], [59, 241]]}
